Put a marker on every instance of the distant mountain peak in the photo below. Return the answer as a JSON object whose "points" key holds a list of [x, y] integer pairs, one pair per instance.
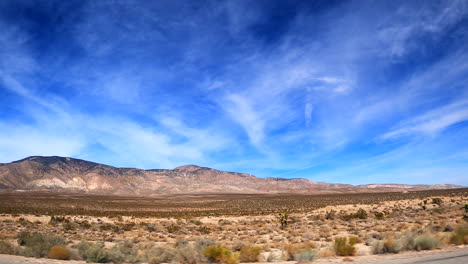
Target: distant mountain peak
{"points": [[54, 173], [189, 167]]}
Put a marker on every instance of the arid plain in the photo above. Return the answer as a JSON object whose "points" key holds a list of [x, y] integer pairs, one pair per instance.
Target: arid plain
{"points": [[230, 228]]}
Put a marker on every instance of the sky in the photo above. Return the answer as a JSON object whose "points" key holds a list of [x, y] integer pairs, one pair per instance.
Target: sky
{"points": [[352, 92]]}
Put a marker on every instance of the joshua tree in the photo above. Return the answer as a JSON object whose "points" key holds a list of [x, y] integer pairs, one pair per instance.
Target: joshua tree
{"points": [[283, 220]]}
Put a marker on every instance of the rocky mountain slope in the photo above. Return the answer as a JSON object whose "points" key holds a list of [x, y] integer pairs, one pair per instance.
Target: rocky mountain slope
{"points": [[75, 175]]}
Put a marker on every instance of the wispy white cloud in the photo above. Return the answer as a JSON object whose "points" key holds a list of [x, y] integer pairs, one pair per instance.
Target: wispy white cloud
{"points": [[432, 122]]}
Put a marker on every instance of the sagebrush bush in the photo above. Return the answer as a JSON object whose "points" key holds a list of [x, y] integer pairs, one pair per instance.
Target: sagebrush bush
{"points": [[93, 252], [425, 242], [343, 247], [8, 248], [156, 255], [460, 235], [304, 255], [388, 245], [59, 252], [193, 253], [353, 240], [219, 254], [249, 253], [38, 244], [123, 252]]}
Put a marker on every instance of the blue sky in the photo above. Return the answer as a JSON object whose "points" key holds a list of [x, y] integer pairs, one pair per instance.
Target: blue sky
{"points": [[337, 91]]}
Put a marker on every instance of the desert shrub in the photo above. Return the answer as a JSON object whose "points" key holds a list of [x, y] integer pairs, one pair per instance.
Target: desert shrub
{"points": [[93, 252], [361, 214], [437, 201], [156, 255], [8, 248], [219, 254], [204, 242], [173, 228], [54, 220], [353, 240], [460, 235], [249, 253], [58, 252], [343, 248], [379, 215], [204, 229], [38, 244], [123, 252], [388, 245], [304, 255], [425, 242], [330, 215], [292, 251], [193, 253]]}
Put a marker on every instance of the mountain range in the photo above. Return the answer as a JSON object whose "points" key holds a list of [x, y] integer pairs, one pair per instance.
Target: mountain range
{"points": [[74, 175]]}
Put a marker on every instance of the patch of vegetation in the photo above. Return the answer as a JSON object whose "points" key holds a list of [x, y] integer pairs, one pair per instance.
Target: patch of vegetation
{"points": [[38, 244], [59, 252], [249, 253], [8, 248], [342, 247], [460, 235], [219, 254]]}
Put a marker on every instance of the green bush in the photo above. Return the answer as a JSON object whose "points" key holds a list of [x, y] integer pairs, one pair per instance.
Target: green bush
{"points": [[93, 252], [437, 201], [123, 252], [249, 254], [460, 235], [58, 252], [38, 244], [8, 248], [343, 248], [388, 245], [156, 255], [425, 242], [192, 253], [379, 215], [304, 255], [219, 254]]}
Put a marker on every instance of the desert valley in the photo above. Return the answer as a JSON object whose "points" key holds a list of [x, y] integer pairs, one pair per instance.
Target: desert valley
{"points": [[66, 208]]}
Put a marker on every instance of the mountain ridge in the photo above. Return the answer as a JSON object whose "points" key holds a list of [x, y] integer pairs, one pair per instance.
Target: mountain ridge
{"points": [[55, 173]]}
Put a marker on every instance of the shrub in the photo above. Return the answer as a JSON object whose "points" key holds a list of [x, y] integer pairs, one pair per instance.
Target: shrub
{"points": [[361, 214], [353, 240], [304, 255], [460, 235], [379, 215], [93, 252], [219, 254], [388, 245], [425, 242], [123, 252], [157, 255], [38, 244], [8, 248], [173, 228], [343, 248], [437, 201], [58, 252], [189, 254], [249, 254]]}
